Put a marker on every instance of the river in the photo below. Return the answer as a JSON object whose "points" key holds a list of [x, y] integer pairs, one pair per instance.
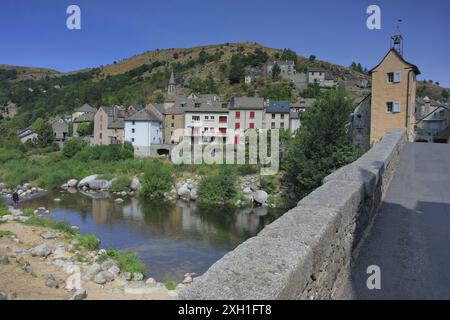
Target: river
{"points": [[171, 239]]}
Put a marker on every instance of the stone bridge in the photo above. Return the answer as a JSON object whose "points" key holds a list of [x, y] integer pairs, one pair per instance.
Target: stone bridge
{"points": [[390, 208]]}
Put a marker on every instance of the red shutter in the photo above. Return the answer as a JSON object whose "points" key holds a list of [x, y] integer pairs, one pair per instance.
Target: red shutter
{"points": [[238, 114], [252, 125], [252, 114], [237, 125]]}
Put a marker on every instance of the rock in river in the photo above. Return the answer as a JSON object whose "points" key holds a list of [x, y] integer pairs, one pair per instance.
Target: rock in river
{"points": [[260, 196]]}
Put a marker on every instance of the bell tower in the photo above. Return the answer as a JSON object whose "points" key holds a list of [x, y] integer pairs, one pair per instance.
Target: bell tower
{"points": [[171, 88], [397, 39]]}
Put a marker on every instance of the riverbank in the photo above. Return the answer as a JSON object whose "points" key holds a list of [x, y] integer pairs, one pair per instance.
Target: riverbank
{"points": [[43, 263]]}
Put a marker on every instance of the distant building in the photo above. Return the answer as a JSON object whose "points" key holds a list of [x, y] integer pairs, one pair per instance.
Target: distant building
{"points": [[286, 67], [86, 118], [134, 108], [60, 129], [85, 108], [432, 118], [8, 111], [294, 121], [143, 129], [277, 115], [27, 135], [320, 77], [302, 104], [109, 125]]}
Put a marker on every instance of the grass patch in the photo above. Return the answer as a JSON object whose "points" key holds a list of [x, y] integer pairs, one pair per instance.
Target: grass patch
{"points": [[89, 241], [6, 233], [28, 212], [120, 184], [127, 261], [49, 223], [170, 285], [4, 212]]}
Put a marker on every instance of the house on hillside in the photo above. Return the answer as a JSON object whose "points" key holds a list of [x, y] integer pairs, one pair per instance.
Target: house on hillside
{"points": [[85, 108], [60, 129], [286, 67], [294, 121], [245, 113], [84, 121], [27, 134], [320, 77], [143, 129], [8, 111], [109, 125], [277, 115]]}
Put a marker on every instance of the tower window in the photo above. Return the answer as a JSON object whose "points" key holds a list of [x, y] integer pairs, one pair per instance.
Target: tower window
{"points": [[389, 106]]}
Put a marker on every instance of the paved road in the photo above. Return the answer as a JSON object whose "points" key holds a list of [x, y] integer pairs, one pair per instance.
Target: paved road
{"points": [[410, 238]]}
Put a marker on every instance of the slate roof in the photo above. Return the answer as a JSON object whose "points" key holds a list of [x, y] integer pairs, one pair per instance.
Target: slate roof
{"points": [[143, 115], [85, 117], [246, 103], [86, 108], [137, 107], [282, 63], [315, 69], [278, 107]]}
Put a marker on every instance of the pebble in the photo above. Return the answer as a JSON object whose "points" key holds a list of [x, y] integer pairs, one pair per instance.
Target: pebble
{"points": [[80, 294]]}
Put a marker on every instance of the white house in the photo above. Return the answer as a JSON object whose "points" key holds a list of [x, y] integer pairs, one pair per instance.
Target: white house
{"points": [[143, 129]]}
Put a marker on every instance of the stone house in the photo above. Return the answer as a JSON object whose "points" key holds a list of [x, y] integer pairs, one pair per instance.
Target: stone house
{"points": [[85, 108], [320, 77], [294, 121], [277, 115], [432, 118], [26, 135], [109, 125], [60, 129], [286, 67], [143, 129]]}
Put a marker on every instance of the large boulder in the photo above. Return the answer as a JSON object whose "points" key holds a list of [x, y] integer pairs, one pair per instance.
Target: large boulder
{"points": [[194, 194], [41, 250], [184, 192], [135, 184], [260, 196], [85, 182], [100, 184]]}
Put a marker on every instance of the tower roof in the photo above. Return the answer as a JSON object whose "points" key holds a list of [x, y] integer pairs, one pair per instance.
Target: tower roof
{"points": [[172, 78], [392, 50]]}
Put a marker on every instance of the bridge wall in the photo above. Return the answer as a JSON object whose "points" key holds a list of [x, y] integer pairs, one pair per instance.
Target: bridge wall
{"points": [[306, 253]]}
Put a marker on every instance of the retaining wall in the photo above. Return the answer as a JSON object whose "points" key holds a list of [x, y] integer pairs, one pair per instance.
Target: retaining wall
{"points": [[306, 253]]}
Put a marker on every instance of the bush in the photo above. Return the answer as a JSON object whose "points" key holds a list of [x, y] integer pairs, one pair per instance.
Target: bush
{"points": [[218, 188], [89, 241], [127, 261], [9, 154], [269, 184], [120, 184], [157, 179], [72, 147], [4, 212], [170, 285]]}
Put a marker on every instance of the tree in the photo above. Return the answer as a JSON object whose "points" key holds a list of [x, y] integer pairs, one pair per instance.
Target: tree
{"points": [[72, 147], [322, 144], [85, 129], [312, 91], [444, 94], [45, 135], [289, 55], [312, 58], [276, 71], [38, 124]]}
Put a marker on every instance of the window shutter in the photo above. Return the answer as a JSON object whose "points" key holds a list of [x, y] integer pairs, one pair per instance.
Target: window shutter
{"points": [[396, 106], [397, 77]]}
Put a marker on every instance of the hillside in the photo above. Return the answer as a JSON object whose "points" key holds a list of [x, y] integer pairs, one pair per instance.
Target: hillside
{"points": [[143, 78]]}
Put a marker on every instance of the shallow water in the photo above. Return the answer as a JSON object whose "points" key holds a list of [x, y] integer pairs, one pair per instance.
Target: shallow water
{"points": [[170, 238]]}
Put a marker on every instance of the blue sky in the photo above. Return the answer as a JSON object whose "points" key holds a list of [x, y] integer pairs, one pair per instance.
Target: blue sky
{"points": [[34, 33]]}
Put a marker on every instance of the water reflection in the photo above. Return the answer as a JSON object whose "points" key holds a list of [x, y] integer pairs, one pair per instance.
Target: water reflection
{"points": [[170, 238]]}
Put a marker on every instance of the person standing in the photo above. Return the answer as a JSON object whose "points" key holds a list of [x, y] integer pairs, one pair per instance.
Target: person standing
{"points": [[15, 198]]}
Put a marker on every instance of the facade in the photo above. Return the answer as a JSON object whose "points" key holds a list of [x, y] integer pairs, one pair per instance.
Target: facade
{"points": [[245, 113], [316, 75], [206, 123], [286, 67], [109, 126], [143, 129], [86, 118], [277, 115], [433, 118], [85, 108], [393, 96], [294, 121], [173, 125], [60, 129]]}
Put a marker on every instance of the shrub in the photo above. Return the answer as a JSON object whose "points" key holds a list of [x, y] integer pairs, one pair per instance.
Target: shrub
{"points": [[120, 184], [170, 285], [218, 188], [9, 154], [127, 261], [157, 179], [28, 212], [269, 184], [4, 212], [72, 147], [89, 241]]}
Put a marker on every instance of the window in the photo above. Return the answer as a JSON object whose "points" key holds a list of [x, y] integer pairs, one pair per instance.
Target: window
{"points": [[252, 125], [389, 106], [172, 125], [206, 117], [282, 125], [132, 139], [222, 119], [100, 136], [197, 105], [224, 105], [132, 130], [133, 123], [237, 125], [273, 115], [236, 139], [390, 77], [195, 118], [238, 114], [212, 117], [173, 117], [273, 125], [252, 114], [282, 116]]}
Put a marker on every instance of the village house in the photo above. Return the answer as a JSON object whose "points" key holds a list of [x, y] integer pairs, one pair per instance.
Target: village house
{"points": [[109, 125], [433, 119], [84, 120], [391, 105], [302, 104], [206, 122], [286, 67], [85, 108], [320, 77], [246, 113], [143, 129], [173, 124], [60, 129], [134, 108], [277, 115], [27, 134]]}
